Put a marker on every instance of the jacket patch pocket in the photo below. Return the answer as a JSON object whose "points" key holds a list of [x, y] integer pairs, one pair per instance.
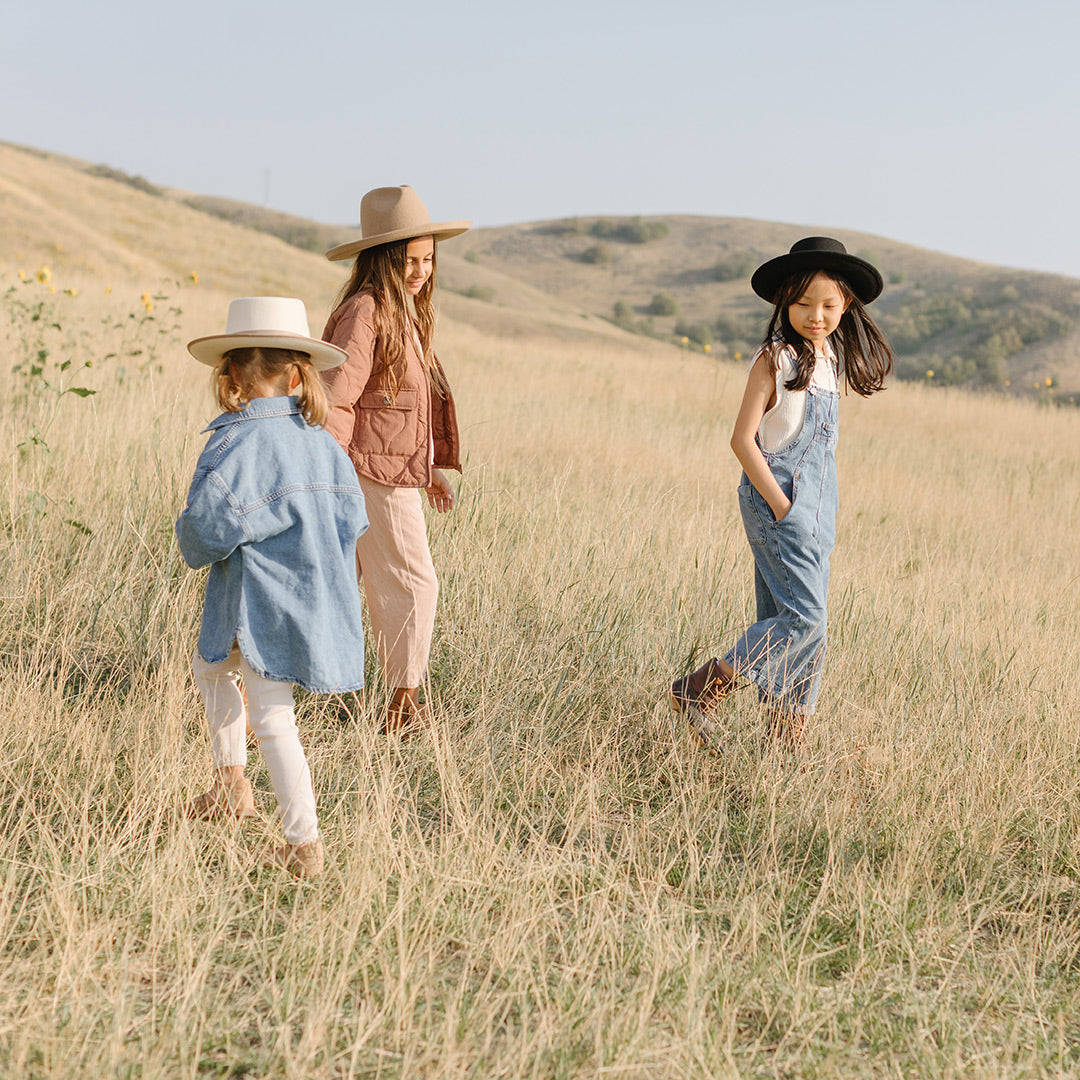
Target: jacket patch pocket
{"points": [[388, 424]]}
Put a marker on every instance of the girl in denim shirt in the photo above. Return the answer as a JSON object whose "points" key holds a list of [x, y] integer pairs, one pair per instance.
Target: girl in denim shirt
{"points": [[275, 510], [785, 439]]}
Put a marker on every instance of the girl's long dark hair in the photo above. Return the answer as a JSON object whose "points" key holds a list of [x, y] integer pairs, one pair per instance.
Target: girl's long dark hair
{"points": [[382, 269], [865, 357]]}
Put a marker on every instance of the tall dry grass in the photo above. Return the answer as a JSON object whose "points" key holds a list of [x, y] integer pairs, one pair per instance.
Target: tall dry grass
{"points": [[556, 882]]}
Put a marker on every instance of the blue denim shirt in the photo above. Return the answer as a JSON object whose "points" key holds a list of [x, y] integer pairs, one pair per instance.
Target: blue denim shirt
{"points": [[275, 510]]}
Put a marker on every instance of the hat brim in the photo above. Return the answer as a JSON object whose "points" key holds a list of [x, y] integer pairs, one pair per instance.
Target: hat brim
{"points": [[442, 230], [865, 280], [210, 350]]}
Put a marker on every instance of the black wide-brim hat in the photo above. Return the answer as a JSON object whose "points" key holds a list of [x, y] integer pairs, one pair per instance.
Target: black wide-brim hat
{"points": [[818, 253]]}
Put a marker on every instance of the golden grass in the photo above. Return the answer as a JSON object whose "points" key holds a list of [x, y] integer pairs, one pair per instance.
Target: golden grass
{"points": [[556, 882]]}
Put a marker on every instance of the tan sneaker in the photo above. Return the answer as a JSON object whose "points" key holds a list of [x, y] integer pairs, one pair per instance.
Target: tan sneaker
{"points": [[301, 860], [221, 802]]}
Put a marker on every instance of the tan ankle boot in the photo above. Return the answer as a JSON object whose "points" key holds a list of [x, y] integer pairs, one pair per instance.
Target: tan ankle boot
{"points": [[301, 860], [220, 802]]}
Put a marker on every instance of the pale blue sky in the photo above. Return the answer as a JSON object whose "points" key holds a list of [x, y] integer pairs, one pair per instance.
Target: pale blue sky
{"points": [[952, 125]]}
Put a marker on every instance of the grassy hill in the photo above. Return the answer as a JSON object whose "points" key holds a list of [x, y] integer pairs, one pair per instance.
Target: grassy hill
{"points": [[555, 881], [685, 280], [972, 324]]}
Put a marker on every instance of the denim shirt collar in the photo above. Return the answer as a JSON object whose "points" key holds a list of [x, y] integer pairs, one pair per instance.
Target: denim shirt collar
{"points": [[255, 409]]}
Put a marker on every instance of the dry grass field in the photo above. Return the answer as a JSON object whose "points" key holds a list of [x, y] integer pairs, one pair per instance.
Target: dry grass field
{"points": [[556, 882]]}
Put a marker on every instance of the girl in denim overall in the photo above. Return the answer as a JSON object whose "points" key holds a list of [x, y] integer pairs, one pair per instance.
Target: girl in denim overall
{"points": [[275, 510], [785, 439]]}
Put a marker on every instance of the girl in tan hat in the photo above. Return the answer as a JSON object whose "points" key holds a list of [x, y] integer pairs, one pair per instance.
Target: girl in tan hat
{"points": [[274, 510], [392, 411]]}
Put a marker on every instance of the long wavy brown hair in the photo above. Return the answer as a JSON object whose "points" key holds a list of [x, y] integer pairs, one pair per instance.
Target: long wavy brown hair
{"points": [[242, 370], [865, 357], [382, 269]]}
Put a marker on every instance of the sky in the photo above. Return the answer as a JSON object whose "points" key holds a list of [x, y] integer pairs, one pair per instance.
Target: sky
{"points": [[951, 125]]}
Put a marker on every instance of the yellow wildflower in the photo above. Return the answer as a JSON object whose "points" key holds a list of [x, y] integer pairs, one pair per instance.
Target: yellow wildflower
{"points": [[707, 348], [71, 292], [929, 373], [1049, 381], [23, 276], [44, 275], [108, 289], [194, 275], [686, 341], [147, 301], [52, 288]]}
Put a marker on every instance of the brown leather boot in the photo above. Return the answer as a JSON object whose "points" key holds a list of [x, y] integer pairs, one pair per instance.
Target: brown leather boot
{"points": [[406, 719], [702, 688]]}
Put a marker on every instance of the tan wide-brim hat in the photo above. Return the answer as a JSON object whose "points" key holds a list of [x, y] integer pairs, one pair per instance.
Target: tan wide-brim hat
{"points": [[390, 214], [268, 322]]}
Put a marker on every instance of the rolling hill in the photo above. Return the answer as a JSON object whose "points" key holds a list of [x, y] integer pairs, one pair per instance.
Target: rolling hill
{"points": [[681, 279]]}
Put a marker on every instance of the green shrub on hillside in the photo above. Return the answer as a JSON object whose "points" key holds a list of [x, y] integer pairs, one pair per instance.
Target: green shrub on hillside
{"points": [[565, 227], [663, 304], [738, 328], [733, 267], [700, 333], [479, 292], [596, 255], [635, 231], [623, 317]]}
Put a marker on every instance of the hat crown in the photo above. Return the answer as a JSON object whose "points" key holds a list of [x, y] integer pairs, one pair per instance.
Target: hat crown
{"points": [[262, 314], [391, 210], [819, 244], [814, 253]]}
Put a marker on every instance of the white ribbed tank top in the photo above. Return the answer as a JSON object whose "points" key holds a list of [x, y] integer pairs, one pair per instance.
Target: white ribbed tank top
{"points": [[781, 425]]}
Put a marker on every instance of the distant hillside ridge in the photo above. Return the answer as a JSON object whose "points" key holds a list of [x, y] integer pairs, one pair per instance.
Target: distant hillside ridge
{"points": [[685, 280], [94, 229]]}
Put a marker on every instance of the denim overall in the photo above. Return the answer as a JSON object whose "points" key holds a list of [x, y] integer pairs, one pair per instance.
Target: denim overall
{"points": [[782, 652]]}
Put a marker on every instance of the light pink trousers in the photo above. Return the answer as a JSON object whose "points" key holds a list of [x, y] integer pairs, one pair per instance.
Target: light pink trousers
{"points": [[394, 562], [273, 720]]}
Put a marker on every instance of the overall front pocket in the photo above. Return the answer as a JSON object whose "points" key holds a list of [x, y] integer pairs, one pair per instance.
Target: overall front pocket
{"points": [[753, 520]]}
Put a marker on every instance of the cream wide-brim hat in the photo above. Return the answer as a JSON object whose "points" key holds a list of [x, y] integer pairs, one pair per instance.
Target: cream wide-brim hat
{"points": [[390, 214], [268, 322]]}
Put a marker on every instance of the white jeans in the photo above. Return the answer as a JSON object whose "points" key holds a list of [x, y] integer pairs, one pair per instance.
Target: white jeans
{"points": [[270, 713]]}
